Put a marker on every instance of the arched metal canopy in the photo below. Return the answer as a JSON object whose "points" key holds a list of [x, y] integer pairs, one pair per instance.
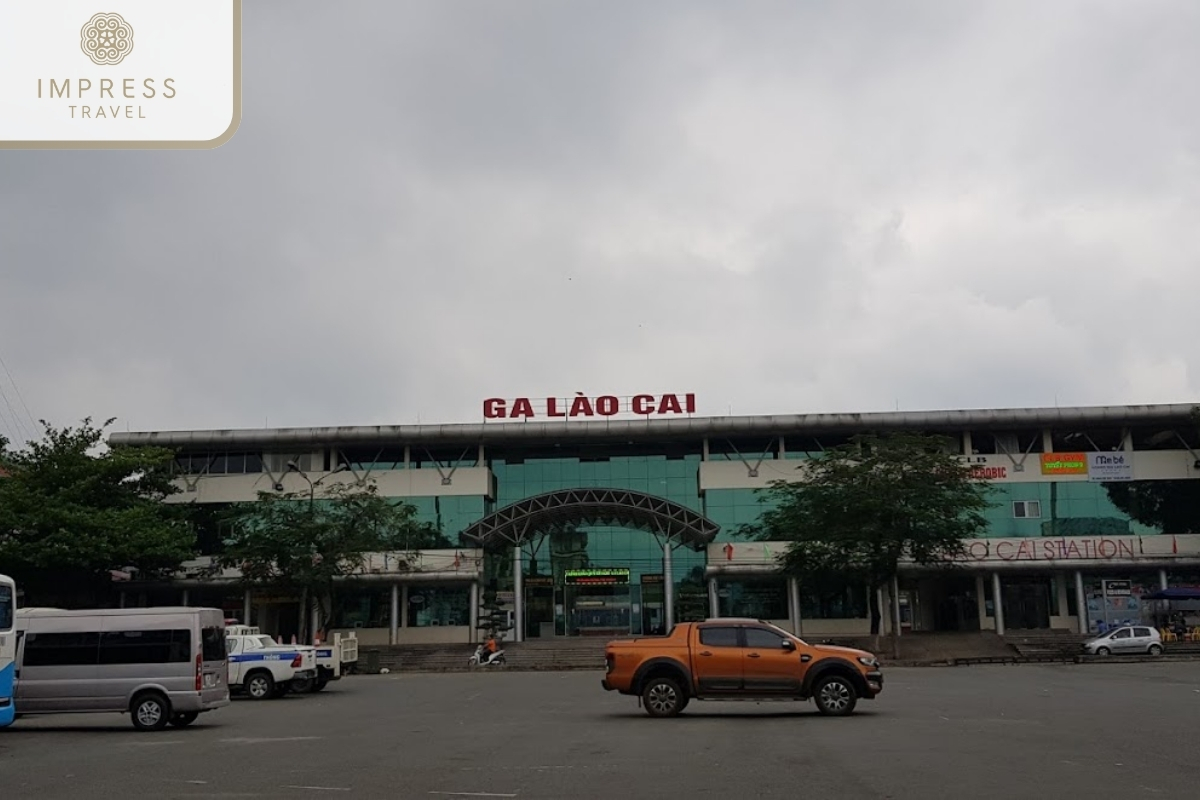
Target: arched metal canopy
{"points": [[543, 513]]}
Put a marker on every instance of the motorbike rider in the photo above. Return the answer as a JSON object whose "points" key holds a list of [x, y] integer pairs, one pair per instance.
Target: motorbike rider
{"points": [[491, 647]]}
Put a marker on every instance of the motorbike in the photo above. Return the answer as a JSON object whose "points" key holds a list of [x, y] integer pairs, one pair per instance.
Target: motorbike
{"points": [[481, 657]]}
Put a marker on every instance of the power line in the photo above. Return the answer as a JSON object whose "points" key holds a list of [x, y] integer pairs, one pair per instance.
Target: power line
{"points": [[19, 424], [20, 398], [6, 421]]}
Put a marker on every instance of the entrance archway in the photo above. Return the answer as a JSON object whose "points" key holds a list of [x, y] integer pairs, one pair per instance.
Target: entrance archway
{"points": [[528, 520]]}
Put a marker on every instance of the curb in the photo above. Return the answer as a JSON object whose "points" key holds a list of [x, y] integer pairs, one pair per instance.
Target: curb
{"points": [[1013, 661]]}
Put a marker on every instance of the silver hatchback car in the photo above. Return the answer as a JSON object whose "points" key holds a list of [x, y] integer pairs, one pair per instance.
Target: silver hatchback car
{"points": [[1127, 639]]}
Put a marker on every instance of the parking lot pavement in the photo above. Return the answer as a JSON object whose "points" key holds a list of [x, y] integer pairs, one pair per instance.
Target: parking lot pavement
{"points": [[978, 732]]}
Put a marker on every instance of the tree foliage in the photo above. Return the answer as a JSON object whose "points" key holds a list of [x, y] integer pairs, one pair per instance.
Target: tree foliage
{"points": [[857, 510], [1170, 506], [299, 541], [70, 508]]}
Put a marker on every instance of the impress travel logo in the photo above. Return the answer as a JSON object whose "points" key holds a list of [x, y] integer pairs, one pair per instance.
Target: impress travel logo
{"points": [[140, 74], [107, 39]]}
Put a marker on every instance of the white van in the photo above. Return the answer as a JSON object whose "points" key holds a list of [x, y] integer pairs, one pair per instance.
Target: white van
{"points": [[161, 665]]}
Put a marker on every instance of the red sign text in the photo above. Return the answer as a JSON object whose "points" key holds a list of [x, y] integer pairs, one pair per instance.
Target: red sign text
{"points": [[582, 406], [1097, 548]]}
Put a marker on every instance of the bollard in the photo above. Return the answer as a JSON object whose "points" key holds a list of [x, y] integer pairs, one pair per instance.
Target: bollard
{"points": [[372, 662]]}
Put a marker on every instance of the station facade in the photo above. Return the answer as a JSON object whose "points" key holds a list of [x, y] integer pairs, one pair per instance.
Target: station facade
{"points": [[611, 516]]}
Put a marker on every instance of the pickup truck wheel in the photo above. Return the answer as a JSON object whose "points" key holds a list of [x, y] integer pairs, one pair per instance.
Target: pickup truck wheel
{"points": [[302, 685], [260, 686], [835, 696], [663, 697]]}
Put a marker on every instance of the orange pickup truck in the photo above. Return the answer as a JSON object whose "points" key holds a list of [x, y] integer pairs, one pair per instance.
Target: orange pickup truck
{"points": [[738, 659]]}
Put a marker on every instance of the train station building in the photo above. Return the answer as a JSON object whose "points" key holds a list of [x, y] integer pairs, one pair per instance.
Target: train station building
{"points": [[606, 516]]}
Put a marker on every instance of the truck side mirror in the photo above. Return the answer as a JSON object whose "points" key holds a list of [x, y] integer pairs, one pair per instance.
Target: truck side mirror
{"points": [[788, 644]]}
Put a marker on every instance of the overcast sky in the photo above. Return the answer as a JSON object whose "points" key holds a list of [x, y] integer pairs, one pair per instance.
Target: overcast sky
{"points": [[781, 206]]}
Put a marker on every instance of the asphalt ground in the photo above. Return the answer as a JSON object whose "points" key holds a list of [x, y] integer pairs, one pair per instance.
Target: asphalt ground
{"points": [[1097, 731]]}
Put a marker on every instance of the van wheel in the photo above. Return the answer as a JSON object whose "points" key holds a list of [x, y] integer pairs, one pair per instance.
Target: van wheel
{"points": [[835, 696], [150, 711], [260, 686], [662, 697], [183, 720]]}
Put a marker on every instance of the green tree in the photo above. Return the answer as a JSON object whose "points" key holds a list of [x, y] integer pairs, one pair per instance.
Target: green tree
{"points": [[859, 509], [299, 542], [71, 510], [1170, 506]]}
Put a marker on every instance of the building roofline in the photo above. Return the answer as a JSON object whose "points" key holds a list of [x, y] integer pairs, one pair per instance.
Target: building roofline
{"points": [[660, 429]]}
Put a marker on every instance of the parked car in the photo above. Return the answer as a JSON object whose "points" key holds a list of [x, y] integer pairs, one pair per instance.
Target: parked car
{"points": [[162, 666], [1125, 640], [738, 659], [332, 658], [264, 670]]}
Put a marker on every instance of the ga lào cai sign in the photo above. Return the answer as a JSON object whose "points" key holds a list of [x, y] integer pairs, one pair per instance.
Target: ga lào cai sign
{"points": [[1064, 463], [582, 406]]}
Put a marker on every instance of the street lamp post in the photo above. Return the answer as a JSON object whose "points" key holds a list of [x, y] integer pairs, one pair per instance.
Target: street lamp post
{"points": [[312, 486], [312, 496]]}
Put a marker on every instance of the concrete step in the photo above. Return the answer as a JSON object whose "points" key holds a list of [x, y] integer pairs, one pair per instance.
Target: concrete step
{"points": [[563, 653], [446, 658]]}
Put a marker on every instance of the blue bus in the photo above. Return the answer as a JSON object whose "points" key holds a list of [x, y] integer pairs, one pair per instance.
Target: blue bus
{"points": [[8, 649]]}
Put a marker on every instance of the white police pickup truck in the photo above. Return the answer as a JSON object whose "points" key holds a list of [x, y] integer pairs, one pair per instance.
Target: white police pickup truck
{"points": [[332, 658], [335, 658], [263, 669]]}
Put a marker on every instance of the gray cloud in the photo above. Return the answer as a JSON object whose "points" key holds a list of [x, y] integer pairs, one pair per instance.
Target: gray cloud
{"points": [[782, 207]]}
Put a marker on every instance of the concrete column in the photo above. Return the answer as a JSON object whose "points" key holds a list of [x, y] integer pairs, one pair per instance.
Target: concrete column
{"points": [[315, 624], [1081, 602], [1060, 595], [474, 633], [896, 605], [668, 589], [120, 600], [1162, 579], [998, 603], [714, 601], [980, 601], [794, 597], [183, 600], [303, 616], [404, 606], [518, 595], [394, 617], [247, 607]]}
